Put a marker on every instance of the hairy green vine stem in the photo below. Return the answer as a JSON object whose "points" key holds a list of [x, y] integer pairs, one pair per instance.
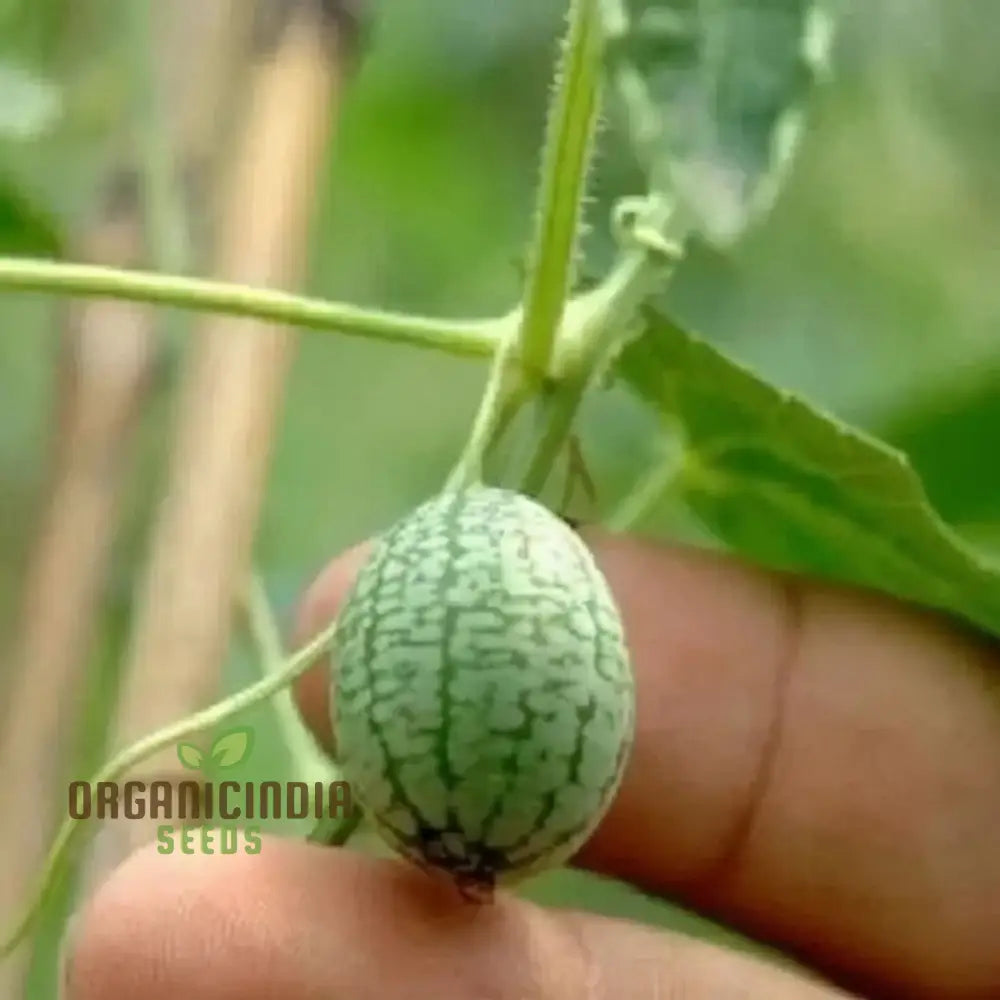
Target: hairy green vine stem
{"points": [[594, 327], [564, 342], [569, 140], [123, 762], [566, 159], [466, 338]]}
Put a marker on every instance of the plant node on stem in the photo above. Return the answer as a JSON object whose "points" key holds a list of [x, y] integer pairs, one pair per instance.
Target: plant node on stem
{"points": [[596, 327], [569, 140]]}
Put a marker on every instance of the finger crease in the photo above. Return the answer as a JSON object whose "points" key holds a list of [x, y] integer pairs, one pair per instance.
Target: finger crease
{"points": [[734, 843]]}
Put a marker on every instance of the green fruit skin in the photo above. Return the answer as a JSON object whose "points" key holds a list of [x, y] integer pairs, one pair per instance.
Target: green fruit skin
{"points": [[483, 704]]}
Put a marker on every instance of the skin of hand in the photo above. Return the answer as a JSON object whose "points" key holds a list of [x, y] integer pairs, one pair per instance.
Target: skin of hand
{"points": [[816, 767]]}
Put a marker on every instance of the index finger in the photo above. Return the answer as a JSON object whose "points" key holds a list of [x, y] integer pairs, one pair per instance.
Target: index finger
{"points": [[818, 767]]}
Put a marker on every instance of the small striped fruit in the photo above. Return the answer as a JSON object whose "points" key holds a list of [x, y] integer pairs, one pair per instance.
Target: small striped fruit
{"points": [[483, 702]]}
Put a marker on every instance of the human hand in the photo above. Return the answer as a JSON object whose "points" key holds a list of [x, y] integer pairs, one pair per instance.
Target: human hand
{"points": [[818, 768]]}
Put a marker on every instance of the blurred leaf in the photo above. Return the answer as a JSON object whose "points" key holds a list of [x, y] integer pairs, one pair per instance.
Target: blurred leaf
{"points": [[790, 486], [717, 89], [25, 229], [233, 746], [952, 436], [29, 105]]}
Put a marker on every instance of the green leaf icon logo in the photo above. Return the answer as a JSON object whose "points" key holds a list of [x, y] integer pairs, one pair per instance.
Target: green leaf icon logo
{"points": [[232, 746], [190, 756]]}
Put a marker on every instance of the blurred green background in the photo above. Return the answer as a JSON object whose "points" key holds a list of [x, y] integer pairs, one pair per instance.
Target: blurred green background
{"points": [[872, 288]]}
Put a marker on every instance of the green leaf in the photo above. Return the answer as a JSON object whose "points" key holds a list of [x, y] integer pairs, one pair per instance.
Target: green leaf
{"points": [[716, 91], [791, 487], [190, 756], [232, 746], [951, 433]]}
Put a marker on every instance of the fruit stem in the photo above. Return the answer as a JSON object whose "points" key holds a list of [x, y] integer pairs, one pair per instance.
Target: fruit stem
{"points": [[497, 408], [598, 324], [123, 762]]}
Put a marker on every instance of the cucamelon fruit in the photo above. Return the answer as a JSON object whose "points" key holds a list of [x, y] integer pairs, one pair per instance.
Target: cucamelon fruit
{"points": [[483, 699]]}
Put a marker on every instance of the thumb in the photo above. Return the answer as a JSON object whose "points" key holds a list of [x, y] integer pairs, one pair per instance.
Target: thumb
{"points": [[301, 922]]}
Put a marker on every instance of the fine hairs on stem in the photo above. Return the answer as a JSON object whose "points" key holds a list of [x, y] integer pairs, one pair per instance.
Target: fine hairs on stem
{"points": [[566, 156], [123, 762]]}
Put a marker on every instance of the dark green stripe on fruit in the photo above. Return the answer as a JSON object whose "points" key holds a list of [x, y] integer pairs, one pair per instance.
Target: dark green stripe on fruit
{"points": [[483, 705]]}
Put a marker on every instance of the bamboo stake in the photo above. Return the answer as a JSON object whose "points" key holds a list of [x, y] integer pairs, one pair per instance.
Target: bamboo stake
{"points": [[230, 399]]}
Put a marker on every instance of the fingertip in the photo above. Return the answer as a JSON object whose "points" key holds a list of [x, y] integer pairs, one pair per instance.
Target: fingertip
{"points": [[318, 607]]}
